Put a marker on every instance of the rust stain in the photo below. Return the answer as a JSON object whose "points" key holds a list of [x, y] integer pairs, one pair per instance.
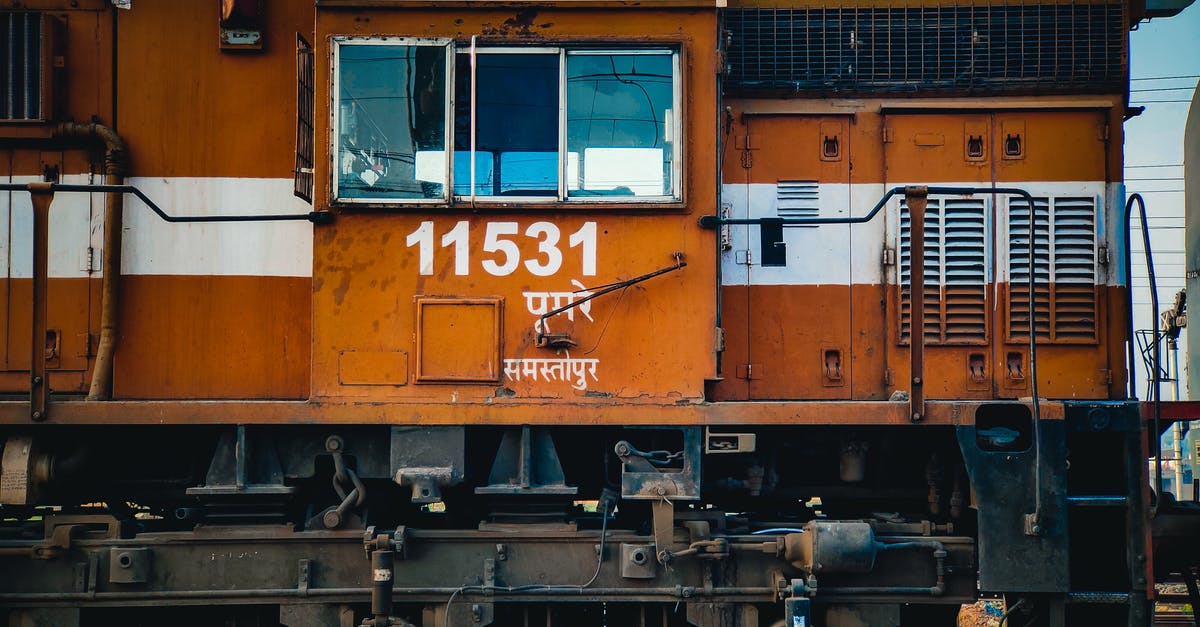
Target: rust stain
{"points": [[519, 25]]}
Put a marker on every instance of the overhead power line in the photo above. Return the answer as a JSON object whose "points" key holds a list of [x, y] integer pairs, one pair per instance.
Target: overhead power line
{"points": [[1164, 78], [1163, 89]]}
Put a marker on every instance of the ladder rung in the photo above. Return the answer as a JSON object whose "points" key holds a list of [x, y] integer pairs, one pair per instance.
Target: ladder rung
{"points": [[1097, 501], [1098, 598]]}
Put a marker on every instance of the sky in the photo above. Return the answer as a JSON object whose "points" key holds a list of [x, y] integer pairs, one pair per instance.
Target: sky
{"points": [[1161, 50]]}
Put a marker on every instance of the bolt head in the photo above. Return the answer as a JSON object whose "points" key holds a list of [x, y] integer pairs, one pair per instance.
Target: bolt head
{"points": [[332, 520]]}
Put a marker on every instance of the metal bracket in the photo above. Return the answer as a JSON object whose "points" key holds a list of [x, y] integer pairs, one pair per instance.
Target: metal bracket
{"points": [[641, 479], [237, 468], [527, 463], [129, 565], [663, 512]]}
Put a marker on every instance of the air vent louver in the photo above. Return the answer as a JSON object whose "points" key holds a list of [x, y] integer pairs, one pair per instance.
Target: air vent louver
{"points": [[955, 272], [22, 66], [1065, 262]]}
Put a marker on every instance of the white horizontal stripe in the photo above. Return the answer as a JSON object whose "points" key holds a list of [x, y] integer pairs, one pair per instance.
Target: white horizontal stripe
{"points": [[75, 221], [840, 254], [152, 246]]}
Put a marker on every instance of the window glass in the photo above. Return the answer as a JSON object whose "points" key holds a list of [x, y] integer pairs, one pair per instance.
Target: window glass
{"points": [[619, 121], [516, 124], [391, 122]]}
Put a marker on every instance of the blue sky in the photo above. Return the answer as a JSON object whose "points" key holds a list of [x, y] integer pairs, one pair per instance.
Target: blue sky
{"points": [[1159, 49]]}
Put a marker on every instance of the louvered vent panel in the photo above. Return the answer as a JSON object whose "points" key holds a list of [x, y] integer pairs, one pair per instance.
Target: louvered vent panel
{"points": [[965, 260], [21, 65], [1074, 268], [933, 273], [798, 199], [1018, 268], [303, 173], [981, 47]]}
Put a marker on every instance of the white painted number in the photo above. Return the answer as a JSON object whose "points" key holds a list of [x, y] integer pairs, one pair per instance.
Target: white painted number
{"points": [[492, 243], [457, 237], [586, 237], [547, 235], [500, 238], [423, 236]]}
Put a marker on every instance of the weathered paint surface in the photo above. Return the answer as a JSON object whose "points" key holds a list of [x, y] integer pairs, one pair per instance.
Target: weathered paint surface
{"points": [[336, 312]]}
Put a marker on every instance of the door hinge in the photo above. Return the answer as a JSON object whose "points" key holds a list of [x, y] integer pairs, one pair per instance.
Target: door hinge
{"points": [[1106, 376], [719, 339], [889, 257], [887, 135], [743, 257], [1102, 255]]}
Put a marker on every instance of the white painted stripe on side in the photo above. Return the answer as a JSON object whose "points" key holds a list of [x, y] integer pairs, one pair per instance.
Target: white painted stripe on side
{"points": [[75, 221], [818, 255], [815, 255], [153, 246], [1114, 220]]}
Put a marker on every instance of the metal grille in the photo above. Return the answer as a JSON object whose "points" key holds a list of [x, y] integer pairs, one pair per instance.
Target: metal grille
{"points": [[21, 65], [955, 272], [933, 272], [304, 120], [1065, 268], [1076, 46], [798, 199]]}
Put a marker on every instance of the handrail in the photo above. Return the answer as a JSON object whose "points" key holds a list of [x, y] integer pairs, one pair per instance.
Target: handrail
{"points": [[316, 217], [42, 195]]}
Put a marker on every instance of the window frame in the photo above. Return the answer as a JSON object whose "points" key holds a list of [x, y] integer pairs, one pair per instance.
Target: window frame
{"points": [[472, 198], [562, 199], [335, 122]]}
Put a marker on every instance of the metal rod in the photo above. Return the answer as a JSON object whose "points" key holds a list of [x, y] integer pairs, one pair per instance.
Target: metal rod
{"points": [[316, 217], [498, 593], [38, 385], [917, 199], [680, 264], [1156, 356]]}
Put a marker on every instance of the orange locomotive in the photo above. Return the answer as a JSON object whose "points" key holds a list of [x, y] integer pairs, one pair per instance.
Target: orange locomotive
{"points": [[541, 291]]}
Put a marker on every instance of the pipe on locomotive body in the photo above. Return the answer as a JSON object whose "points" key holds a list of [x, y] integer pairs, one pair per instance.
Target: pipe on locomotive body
{"points": [[116, 167]]}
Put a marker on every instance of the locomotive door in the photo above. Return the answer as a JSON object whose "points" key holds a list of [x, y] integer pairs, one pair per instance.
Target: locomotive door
{"points": [[976, 311], [70, 293], [954, 150], [786, 289]]}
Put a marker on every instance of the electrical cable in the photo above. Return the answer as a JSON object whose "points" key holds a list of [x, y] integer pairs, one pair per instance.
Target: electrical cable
{"points": [[462, 590], [1009, 611]]}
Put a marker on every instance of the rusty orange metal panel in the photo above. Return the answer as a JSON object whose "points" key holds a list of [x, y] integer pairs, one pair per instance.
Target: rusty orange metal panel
{"points": [[373, 368], [651, 341], [213, 337], [67, 317], [499, 412], [1051, 146], [459, 339], [214, 107], [922, 148]]}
